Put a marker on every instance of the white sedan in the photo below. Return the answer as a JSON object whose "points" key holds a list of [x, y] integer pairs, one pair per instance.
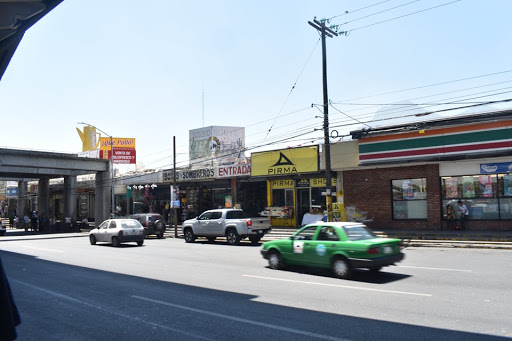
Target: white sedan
{"points": [[117, 231]]}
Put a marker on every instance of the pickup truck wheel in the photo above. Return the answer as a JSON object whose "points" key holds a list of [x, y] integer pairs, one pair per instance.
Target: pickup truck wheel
{"points": [[341, 268], [232, 237], [190, 237], [275, 261], [254, 240], [210, 239]]}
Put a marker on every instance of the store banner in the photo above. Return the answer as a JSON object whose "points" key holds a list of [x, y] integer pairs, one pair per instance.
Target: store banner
{"points": [[121, 155], [320, 182], [175, 197], [233, 170], [502, 167], [285, 161]]}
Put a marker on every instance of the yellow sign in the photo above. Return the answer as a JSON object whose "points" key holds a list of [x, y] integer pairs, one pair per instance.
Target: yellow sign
{"points": [[320, 182], [277, 184], [89, 138], [285, 161], [118, 142]]}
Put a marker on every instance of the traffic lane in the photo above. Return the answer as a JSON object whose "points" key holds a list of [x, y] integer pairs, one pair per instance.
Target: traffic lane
{"points": [[219, 266], [69, 302], [452, 304]]}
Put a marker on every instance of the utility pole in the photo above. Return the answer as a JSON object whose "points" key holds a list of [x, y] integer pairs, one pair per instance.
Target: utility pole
{"points": [[174, 208], [325, 31]]}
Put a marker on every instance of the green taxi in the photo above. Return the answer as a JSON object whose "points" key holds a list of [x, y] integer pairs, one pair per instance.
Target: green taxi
{"points": [[340, 246]]}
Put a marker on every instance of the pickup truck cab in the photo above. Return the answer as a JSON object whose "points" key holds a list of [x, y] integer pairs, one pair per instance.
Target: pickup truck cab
{"points": [[229, 223]]}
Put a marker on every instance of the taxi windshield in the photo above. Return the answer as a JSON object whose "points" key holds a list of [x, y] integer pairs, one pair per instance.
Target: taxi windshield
{"points": [[358, 232]]}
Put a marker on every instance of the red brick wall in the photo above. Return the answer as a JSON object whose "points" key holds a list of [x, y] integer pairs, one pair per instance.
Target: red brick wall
{"points": [[370, 190]]}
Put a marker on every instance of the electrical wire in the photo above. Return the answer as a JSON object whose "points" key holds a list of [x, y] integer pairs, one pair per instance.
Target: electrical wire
{"points": [[403, 16]]}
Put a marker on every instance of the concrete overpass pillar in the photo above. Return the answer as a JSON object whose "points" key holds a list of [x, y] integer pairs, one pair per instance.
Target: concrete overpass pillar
{"points": [[22, 198], [43, 199], [102, 202], [70, 197]]}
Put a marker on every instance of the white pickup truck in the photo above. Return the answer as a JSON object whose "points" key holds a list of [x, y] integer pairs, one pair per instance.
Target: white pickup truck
{"points": [[226, 222]]}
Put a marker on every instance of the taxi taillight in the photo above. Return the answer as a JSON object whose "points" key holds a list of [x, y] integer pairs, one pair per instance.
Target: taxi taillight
{"points": [[120, 233], [373, 250]]}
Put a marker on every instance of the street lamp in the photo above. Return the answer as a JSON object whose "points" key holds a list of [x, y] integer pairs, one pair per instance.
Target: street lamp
{"points": [[111, 166]]}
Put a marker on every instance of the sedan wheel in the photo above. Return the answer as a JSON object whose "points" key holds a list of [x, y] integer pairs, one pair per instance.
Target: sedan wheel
{"points": [[92, 239], [254, 240], [115, 242], [210, 239], [341, 268], [275, 261], [190, 237], [140, 242]]}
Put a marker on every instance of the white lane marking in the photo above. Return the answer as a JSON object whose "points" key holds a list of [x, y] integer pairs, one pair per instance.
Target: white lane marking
{"points": [[238, 319], [341, 286], [110, 311], [441, 269], [40, 248]]}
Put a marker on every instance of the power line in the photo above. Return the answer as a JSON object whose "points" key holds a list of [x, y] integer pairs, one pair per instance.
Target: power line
{"points": [[293, 87], [376, 13], [356, 10], [405, 15]]}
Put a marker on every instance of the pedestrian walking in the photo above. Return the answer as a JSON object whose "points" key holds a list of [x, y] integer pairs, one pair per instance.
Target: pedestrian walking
{"points": [[464, 213]]}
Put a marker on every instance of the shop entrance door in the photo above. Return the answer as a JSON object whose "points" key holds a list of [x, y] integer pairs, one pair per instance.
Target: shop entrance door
{"points": [[303, 203]]}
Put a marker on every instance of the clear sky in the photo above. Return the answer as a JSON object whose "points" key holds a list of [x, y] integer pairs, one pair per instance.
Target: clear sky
{"points": [[138, 69]]}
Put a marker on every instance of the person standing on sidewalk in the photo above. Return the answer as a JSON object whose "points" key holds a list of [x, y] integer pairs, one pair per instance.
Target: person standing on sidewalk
{"points": [[464, 213]]}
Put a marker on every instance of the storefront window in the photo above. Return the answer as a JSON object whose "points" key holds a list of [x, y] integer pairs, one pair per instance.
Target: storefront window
{"points": [[409, 199], [487, 196], [282, 197]]}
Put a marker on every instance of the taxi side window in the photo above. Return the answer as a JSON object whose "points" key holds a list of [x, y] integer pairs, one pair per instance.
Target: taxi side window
{"points": [[112, 225], [306, 234], [104, 225], [327, 233]]}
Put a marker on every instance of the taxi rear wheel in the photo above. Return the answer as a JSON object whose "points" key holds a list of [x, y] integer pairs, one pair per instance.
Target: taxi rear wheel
{"points": [[341, 268], [275, 260]]}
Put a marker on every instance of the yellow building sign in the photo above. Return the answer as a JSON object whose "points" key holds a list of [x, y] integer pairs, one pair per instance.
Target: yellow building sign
{"points": [[320, 182], [285, 161], [278, 184], [118, 142]]}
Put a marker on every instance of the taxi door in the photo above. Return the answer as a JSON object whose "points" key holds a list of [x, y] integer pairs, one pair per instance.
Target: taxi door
{"points": [[318, 251]]}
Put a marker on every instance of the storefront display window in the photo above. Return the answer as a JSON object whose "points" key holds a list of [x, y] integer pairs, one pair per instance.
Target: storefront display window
{"points": [[409, 199], [485, 195]]}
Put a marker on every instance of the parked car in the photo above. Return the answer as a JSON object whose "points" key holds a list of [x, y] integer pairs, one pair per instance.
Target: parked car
{"points": [[340, 246], [154, 223], [226, 222], [117, 231]]}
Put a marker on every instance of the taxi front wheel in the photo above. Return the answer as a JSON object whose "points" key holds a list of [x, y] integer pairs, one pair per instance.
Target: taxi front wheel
{"points": [[275, 261], [341, 268]]}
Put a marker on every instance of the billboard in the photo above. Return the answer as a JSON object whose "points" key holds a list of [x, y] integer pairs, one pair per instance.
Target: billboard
{"points": [[123, 148], [216, 144], [89, 138], [285, 161]]}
